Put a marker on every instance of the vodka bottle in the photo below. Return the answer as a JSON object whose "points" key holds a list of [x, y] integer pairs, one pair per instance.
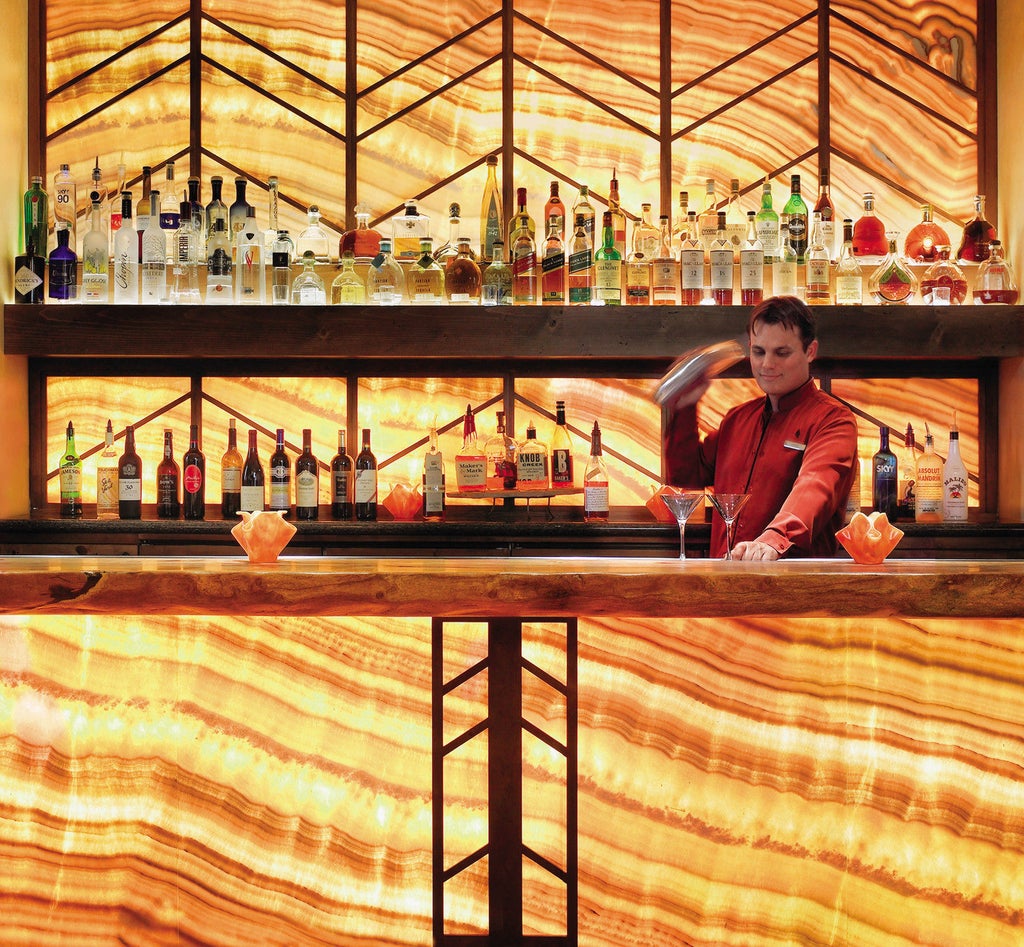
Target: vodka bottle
{"points": [[65, 204], [154, 256], [126, 260], [250, 284], [95, 258], [185, 264], [218, 264]]}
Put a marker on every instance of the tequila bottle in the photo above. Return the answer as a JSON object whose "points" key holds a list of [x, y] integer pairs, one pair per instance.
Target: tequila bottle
{"points": [[449, 250], [893, 283], [425, 278], [462, 278], [409, 229], [385, 280], [308, 288], [581, 265], [313, 238], [170, 211], [496, 289], [348, 288], [95, 258]]}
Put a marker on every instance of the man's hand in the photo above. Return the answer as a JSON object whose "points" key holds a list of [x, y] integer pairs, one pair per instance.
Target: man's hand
{"points": [[692, 393], [754, 550]]}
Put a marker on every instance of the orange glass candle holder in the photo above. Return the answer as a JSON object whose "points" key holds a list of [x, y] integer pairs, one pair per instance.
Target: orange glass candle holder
{"points": [[404, 502], [869, 539], [263, 534]]}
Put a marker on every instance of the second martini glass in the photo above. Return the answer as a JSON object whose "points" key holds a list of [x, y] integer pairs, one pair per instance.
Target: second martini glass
{"points": [[729, 506], [681, 503]]}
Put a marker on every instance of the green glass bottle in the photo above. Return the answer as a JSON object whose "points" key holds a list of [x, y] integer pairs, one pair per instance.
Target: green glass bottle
{"points": [[70, 477], [796, 210], [608, 267]]}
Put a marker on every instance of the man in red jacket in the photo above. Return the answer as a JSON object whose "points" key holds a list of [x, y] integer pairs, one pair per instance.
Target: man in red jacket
{"points": [[793, 451]]}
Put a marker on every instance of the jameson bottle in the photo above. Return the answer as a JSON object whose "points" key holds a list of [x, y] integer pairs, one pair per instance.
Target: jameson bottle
{"points": [[106, 477], [342, 482], [366, 481], [280, 476], [168, 482], [231, 476], [884, 477], [129, 479], [70, 476], [307, 480], [193, 478], [253, 491], [433, 481], [595, 480], [561, 450]]}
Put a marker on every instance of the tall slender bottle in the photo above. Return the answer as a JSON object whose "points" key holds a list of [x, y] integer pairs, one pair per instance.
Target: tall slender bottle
{"points": [[581, 265], [193, 478], [470, 461], [98, 192], [280, 476], [253, 496], [849, 278], [142, 209], [250, 283], [496, 284], [524, 254], [491, 219], [637, 265], [721, 265], [65, 204], [826, 211], [768, 224], [433, 481], [273, 204], [707, 221], [154, 256], [239, 209], [95, 258], [796, 211], [735, 220], [928, 489], [608, 267], [752, 265], [216, 209], [584, 207], [342, 481], [906, 498], [129, 479], [555, 208], [561, 450], [307, 480], [168, 482], [231, 476], [954, 480], [126, 260], [70, 476], [114, 201], [664, 269], [106, 477], [281, 276], [618, 217], [366, 481], [595, 480], [691, 264], [884, 477], [784, 267], [818, 267], [37, 217]]}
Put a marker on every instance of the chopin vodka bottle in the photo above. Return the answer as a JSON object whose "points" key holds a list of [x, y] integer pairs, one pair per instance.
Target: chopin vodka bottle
{"points": [[126, 259]]}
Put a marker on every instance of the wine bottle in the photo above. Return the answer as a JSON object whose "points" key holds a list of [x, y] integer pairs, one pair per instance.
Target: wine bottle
{"points": [[231, 476], [366, 481], [954, 481], [561, 450], [884, 476], [280, 477], [595, 480], [341, 482], [168, 481], [307, 480], [194, 478], [129, 479], [106, 477], [433, 481], [70, 476], [253, 489]]}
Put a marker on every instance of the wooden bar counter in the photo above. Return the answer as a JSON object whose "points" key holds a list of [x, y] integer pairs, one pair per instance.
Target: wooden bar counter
{"points": [[603, 752]]}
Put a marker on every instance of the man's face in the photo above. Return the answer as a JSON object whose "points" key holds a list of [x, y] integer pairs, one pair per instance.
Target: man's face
{"points": [[778, 359]]}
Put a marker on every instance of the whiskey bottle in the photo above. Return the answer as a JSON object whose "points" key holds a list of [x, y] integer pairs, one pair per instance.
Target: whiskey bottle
{"points": [[707, 220], [928, 483], [348, 288], [664, 268], [826, 212], [784, 267], [532, 469], [385, 280], [870, 244], [193, 477], [501, 452], [796, 212], [691, 264], [126, 259], [168, 481], [470, 461], [366, 481], [679, 224], [645, 243], [818, 267], [524, 268], [106, 477], [751, 265], [65, 204], [735, 220], [553, 263], [129, 479], [595, 480], [618, 217], [462, 278], [608, 267], [425, 278], [342, 482], [581, 265], [496, 289], [280, 476], [561, 450], [721, 265], [70, 476], [492, 227], [555, 208], [583, 206], [307, 480], [231, 476], [252, 494], [849, 279], [954, 481], [63, 268], [768, 224], [433, 481], [884, 477]]}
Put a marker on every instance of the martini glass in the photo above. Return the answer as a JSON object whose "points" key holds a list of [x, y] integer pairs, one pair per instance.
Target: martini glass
{"points": [[729, 506], [681, 503]]}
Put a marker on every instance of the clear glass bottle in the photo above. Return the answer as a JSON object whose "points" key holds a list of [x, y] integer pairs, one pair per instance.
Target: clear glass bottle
{"points": [[98, 192], [707, 220], [532, 466], [365, 488], [618, 217], [239, 209], [893, 283], [826, 211], [250, 281], [29, 277], [70, 476], [928, 483], [348, 288], [679, 224], [735, 220], [433, 484], [448, 250], [492, 227], [664, 268], [470, 461], [313, 238], [362, 241], [796, 212], [142, 216], [955, 480], [561, 450], [273, 208], [425, 278], [63, 268], [581, 264], [552, 265], [555, 208], [907, 475], [281, 269], [342, 482], [848, 276], [925, 238], [216, 209], [524, 264], [943, 273], [168, 480], [870, 244], [818, 268], [583, 206], [462, 278], [95, 258], [126, 256], [36, 205], [218, 265], [385, 280], [784, 267], [153, 266], [994, 282], [114, 202], [768, 224], [408, 230], [280, 476], [65, 205], [185, 266], [231, 476], [170, 211], [501, 452], [106, 477], [496, 283], [595, 480], [977, 236], [521, 220], [308, 287], [644, 248], [721, 272], [751, 265], [691, 264]]}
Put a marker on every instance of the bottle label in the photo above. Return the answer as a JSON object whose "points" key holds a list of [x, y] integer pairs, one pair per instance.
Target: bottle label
{"points": [[691, 263], [553, 261], [280, 494], [192, 478], [129, 489], [751, 269], [106, 490], [231, 479], [366, 486], [339, 486], [533, 468], [524, 265], [595, 497], [470, 471], [608, 278], [768, 234], [561, 467], [784, 279], [721, 269], [817, 273], [849, 290], [251, 498], [70, 480], [307, 489], [26, 280], [167, 488], [580, 261], [94, 287]]}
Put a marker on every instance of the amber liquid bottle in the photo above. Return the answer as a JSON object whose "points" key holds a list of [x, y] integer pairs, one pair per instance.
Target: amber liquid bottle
{"points": [[231, 476], [561, 450], [366, 481], [307, 480], [193, 478], [595, 481], [129, 479], [341, 482], [168, 482], [253, 491]]}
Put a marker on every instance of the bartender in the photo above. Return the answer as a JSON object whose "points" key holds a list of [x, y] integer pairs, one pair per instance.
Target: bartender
{"points": [[793, 450]]}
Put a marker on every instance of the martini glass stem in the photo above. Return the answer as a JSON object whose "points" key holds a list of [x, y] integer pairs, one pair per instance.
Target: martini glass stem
{"points": [[682, 539], [729, 532]]}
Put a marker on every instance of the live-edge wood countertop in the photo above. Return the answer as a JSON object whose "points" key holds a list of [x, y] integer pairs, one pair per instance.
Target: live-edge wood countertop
{"points": [[535, 587]]}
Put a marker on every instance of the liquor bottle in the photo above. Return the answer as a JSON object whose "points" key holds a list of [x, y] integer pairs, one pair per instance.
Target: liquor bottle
{"points": [[561, 450], [595, 480], [893, 283], [584, 207], [216, 209], [907, 475], [721, 255], [647, 237], [826, 211], [385, 279], [552, 265], [280, 477], [231, 476], [250, 283], [768, 224], [491, 218], [707, 219], [555, 208], [348, 288], [784, 267], [185, 265], [994, 282], [501, 452], [65, 204], [363, 242], [70, 476], [29, 276], [977, 236], [735, 220], [433, 481], [98, 192], [470, 461], [193, 477], [664, 268], [954, 480], [129, 479], [273, 207], [870, 243], [818, 267], [945, 273], [928, 483], [679, 224], [170, 209], [581, 264], [313, 237], [281, 270], [608, 267], [366, 481], [168, 479], [341, 481], [126, 260], [496, 289], [448, 250], [532, 467], [218, 265], [849, 279], [154, 256], [751, 265], [239, 209], [114, 201], [106, 477], [884, 477], [524, 264], [644, 248], [197, 214], [252, 493], [462, 278], [307, 287], [796, 212], [307, 480], [63, 268], [408, 229], [924, 239], [521, 219], [425, 278], [691, 264], [142, 209], [618, 217], [36, 217]]}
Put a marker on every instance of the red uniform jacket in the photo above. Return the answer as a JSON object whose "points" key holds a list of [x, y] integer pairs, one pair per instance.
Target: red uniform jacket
{"points": [[796, 464]]}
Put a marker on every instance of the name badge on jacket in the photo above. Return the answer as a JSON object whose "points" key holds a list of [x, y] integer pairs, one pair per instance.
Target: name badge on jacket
{"points": [[794, 445]]}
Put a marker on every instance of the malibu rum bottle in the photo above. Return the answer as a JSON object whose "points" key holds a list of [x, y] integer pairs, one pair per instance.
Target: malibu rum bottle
{"points": [[954, 481]]}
